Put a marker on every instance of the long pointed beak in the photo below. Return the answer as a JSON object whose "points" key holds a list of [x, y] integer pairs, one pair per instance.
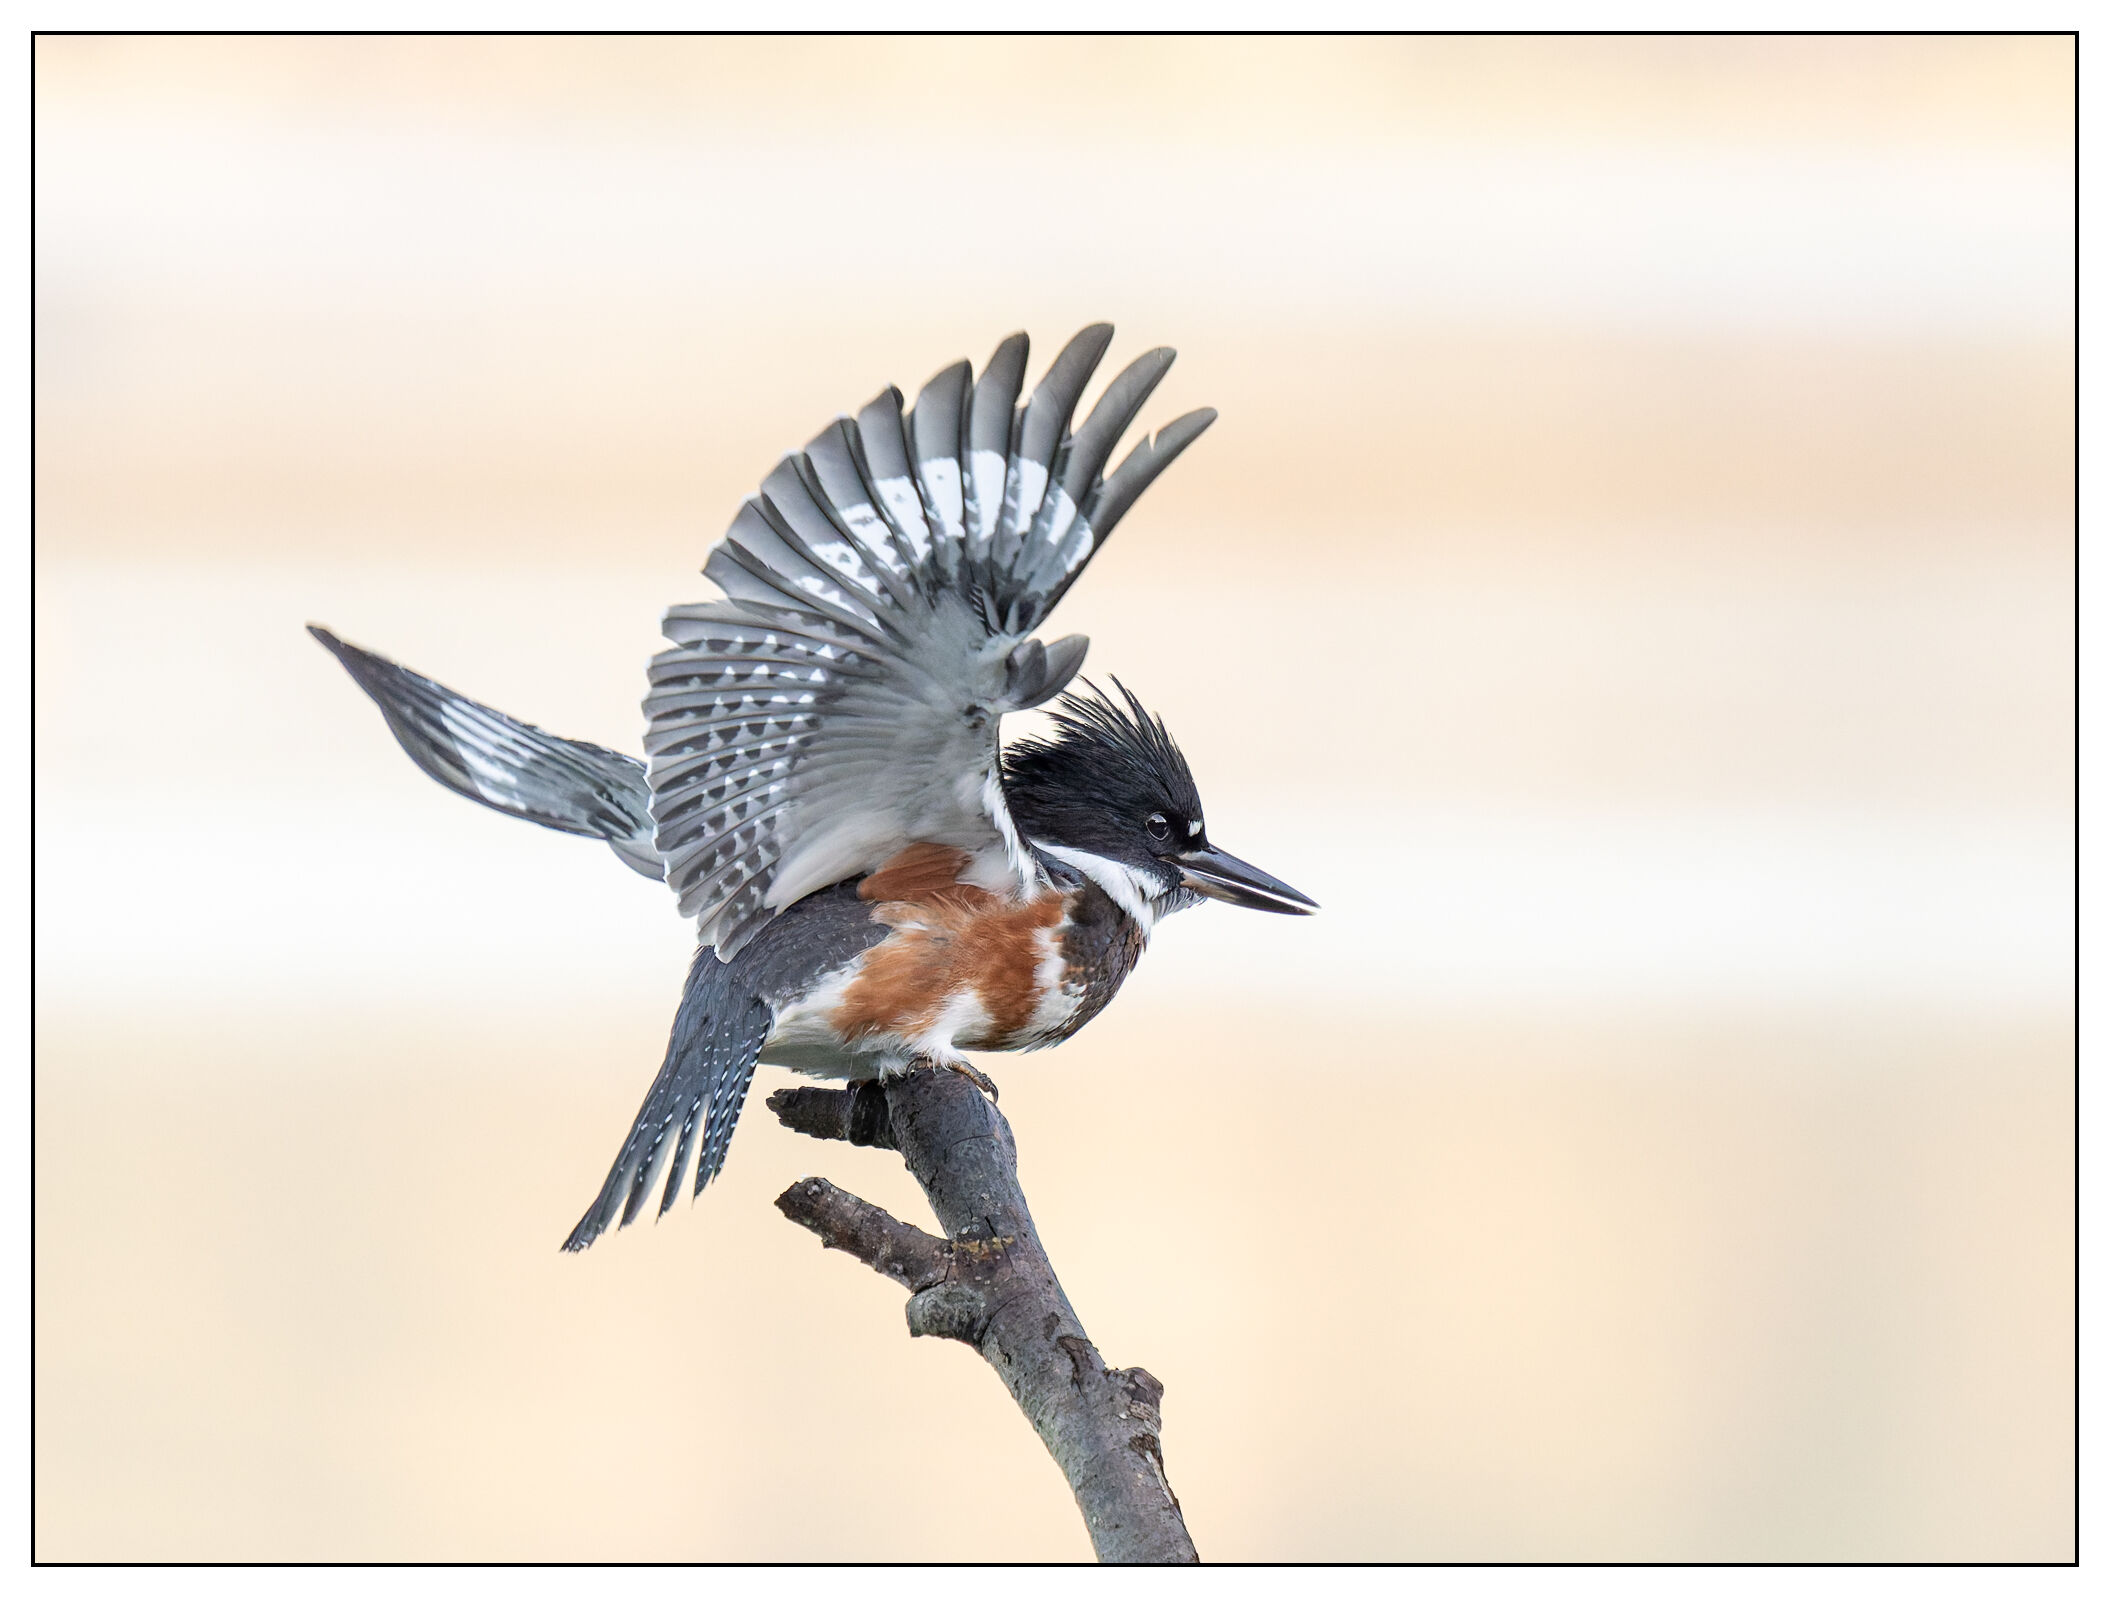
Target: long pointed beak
{"points": [[1226, 877]]}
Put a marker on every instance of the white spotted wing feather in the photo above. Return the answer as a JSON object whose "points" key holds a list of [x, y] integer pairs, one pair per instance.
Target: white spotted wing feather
{"points": [[842, 701]]}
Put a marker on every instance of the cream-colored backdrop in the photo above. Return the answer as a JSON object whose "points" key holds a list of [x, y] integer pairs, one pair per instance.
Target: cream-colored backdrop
{"points": [[1629, 586]]}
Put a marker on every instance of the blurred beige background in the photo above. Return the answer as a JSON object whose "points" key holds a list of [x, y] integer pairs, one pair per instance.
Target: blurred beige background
{"points": [[1630, 586]]}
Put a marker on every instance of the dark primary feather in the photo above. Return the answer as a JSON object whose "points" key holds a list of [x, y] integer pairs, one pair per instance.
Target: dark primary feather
{"points": [[1042, 429], [486, 755], [991, 423]]}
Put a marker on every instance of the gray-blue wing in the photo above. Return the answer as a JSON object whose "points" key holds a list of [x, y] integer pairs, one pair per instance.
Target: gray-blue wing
{"points": [[486, 755], [842, 700]]}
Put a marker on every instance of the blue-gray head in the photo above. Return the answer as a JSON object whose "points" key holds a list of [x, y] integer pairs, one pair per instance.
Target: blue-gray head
{"points": [[1110, 794]]}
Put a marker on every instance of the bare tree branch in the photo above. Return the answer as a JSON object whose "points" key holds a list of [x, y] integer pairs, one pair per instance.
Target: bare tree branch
{"points": [[907, 1254], [989, 1284]]}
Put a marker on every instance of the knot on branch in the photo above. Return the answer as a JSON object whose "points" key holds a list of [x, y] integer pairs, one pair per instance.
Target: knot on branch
{"points": [[962, 1306], [958, 1310], [1144, 1394]]}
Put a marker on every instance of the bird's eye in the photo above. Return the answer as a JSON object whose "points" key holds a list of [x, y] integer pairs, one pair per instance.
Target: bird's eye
{"points": [[1158, 826]]}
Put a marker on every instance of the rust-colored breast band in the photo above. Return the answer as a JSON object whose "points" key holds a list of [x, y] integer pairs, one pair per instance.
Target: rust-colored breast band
{"points": [[921, 871], [949, 939]]}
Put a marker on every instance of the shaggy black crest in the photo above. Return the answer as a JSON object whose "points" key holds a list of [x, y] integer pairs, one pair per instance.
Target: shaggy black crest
{"points": [[1107, 763]]}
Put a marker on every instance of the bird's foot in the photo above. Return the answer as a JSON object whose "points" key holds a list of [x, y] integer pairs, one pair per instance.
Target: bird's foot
{"points": [[972, 1075]]}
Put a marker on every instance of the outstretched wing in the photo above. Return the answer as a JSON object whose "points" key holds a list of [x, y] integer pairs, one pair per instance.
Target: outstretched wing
{"points": [[486, 755], [842, 700]]}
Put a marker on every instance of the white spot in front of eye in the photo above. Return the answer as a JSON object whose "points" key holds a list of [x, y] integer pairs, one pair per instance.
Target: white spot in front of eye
{"points": [[1193, 827]]}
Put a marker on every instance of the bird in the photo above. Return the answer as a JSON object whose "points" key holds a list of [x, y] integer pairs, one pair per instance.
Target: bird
{"points": [[880, 884]]}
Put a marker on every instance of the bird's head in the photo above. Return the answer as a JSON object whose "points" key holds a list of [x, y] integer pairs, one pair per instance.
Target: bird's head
{"points": [[1110, 795]]}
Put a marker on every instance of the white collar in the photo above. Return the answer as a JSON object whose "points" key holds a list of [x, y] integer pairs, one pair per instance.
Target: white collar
{"points": [[1135, 893]]}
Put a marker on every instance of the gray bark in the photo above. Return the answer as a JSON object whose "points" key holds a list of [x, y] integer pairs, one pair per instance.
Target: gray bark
{"points": [[988, 1283]]}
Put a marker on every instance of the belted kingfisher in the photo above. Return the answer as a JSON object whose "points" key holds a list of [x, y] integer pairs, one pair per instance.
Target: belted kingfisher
{"points": [[878, 884]]}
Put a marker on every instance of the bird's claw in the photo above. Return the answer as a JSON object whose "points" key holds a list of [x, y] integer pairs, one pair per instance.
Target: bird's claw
{"points": [[974, 1076]]}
